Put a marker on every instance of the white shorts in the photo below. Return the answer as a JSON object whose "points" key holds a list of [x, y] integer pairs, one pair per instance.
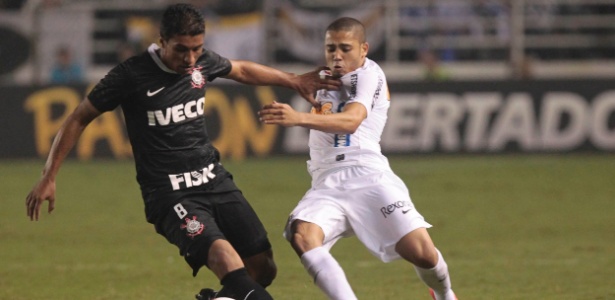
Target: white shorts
{"points": [[372, 204]]}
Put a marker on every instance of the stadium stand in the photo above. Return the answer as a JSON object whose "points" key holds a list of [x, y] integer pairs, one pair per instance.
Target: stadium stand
{"points": [[496, 39]]}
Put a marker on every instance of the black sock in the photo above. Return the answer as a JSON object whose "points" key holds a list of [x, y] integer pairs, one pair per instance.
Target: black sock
{"points": [[239, 285]]}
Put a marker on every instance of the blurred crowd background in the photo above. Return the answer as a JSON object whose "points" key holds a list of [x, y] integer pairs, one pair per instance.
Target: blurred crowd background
{"points": [[60, 41]]}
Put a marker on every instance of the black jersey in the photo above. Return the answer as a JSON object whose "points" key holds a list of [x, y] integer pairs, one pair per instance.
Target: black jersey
{"points": [[164, 113]]}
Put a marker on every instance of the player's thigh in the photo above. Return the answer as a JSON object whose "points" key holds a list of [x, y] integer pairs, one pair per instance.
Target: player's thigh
{"points": [[240, 224], [320, 208], [187, 223], [191, 227], [381, 213]]}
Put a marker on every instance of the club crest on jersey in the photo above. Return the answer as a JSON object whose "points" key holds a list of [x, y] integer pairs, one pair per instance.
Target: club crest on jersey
{"points": [[325, 109], [198, 81], [193, 227]]}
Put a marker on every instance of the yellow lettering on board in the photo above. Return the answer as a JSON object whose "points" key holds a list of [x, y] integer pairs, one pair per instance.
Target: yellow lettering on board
{"points": [[40, 104], [239, 125], [108, 126]]}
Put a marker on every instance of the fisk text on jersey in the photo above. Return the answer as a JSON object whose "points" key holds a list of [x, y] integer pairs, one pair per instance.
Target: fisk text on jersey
{"points": [[192, 178]]}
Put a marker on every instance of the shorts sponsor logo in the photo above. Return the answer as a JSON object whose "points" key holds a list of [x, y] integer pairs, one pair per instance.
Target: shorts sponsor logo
{"points": [[193, 178], [405, 207], [192, 226]]}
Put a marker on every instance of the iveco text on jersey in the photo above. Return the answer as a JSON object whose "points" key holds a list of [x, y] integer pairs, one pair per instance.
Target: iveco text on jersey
{"points": [[176, 113]]}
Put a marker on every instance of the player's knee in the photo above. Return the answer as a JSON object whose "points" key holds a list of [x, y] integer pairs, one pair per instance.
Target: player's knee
{"points": [[262, 268], [305, 236], [426, 259], [264, 273], [302, 243], [297, 241], [418, 249], [223, 258], [265, 277]]}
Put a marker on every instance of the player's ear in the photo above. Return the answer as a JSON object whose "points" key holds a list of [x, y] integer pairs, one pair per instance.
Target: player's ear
{"points": [[365, 48], [162, 42]]}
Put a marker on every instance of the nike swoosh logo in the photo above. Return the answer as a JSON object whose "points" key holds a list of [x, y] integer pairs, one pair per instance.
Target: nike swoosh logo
{"points": [[405, 211], [149, 94]]}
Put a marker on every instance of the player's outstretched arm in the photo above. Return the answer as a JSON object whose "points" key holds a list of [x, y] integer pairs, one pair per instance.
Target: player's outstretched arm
{"points": [[306, 84], [67, 136], [345, 122]]}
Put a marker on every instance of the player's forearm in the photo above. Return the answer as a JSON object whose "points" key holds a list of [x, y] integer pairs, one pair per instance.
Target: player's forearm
{"points": [[334, 123], [68, 135], [62, 144], [256, 74]]}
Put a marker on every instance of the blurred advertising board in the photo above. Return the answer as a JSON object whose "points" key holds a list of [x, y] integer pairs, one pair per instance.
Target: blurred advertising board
{"points": [[446, 118]]}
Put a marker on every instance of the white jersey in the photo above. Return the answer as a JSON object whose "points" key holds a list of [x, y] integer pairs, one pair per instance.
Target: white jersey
{"points": [[366, 85]]}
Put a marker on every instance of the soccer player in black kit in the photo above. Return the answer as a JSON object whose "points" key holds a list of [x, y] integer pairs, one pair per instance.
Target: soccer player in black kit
{"points": [[189, 197]]}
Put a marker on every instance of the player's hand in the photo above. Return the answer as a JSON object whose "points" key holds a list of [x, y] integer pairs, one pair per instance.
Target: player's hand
{"points": [[279, 114], [44, 190], [312, 81]]}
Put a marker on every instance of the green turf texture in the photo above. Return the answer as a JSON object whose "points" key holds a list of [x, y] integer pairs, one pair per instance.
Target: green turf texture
{"points": [[510, 227]]}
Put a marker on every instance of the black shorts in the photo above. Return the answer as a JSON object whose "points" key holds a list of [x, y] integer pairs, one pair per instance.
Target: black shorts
{"points": [[201, 218]]}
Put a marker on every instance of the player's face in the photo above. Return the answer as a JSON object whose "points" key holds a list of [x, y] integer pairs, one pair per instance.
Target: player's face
{"points": [[344, 52], [180, 52]]}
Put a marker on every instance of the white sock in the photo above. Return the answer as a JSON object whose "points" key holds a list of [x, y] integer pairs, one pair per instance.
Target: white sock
{"points": [[438, 279], [328, 274]]}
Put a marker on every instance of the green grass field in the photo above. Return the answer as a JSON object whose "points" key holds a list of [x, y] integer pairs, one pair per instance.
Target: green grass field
{"points": [[510, 227]]}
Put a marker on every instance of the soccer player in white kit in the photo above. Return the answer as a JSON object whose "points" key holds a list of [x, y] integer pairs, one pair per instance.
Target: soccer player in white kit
{"points": [[354, 191]]}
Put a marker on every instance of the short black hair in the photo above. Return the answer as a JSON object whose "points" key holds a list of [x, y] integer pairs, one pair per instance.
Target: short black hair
{"points": [[349, 24], [181, 19]]}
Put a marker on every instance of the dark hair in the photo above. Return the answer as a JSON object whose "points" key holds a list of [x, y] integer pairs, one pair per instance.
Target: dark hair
{"points": [[181, 19], [349, 24]]}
